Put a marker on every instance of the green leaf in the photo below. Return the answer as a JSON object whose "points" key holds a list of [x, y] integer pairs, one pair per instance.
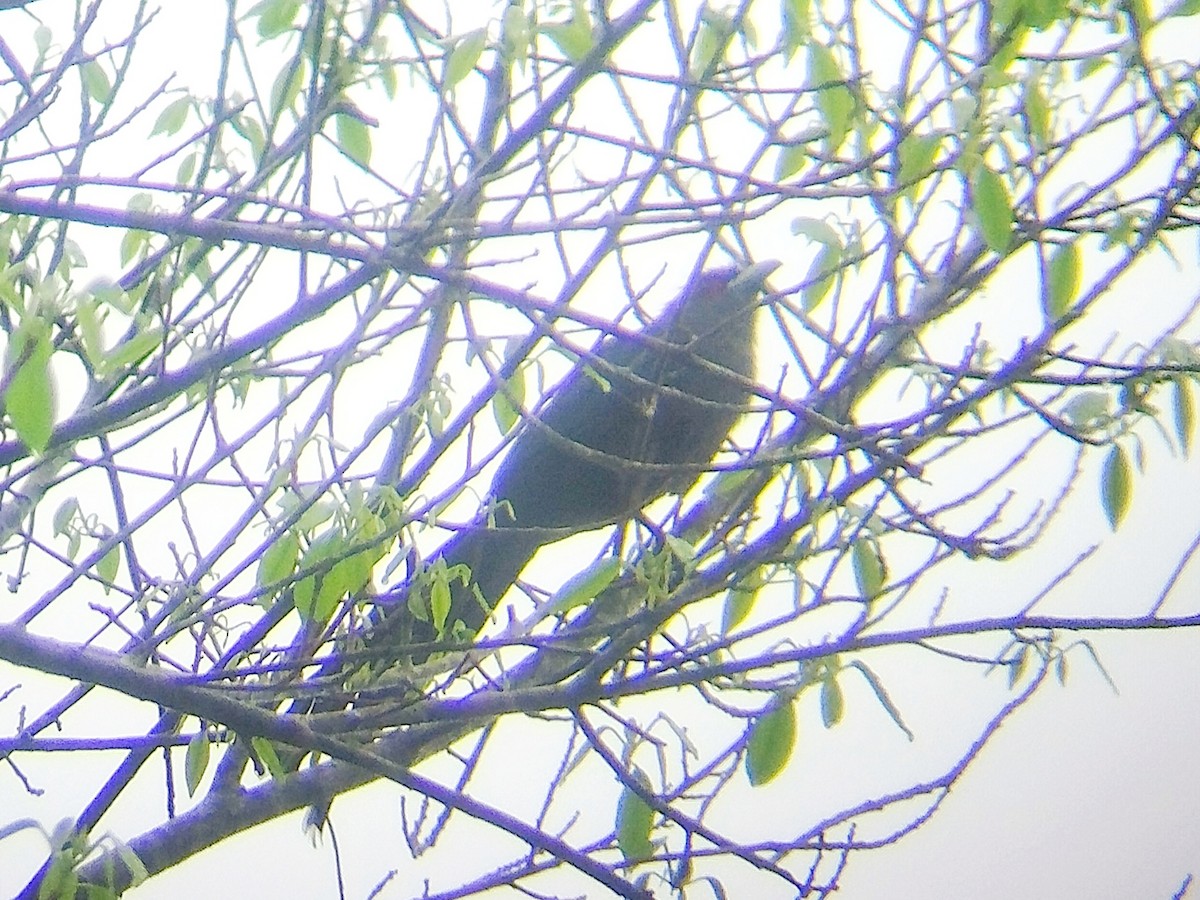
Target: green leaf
{"points": [[507, 402], [286, 88], [584, 587], [1062, 282], [196, 761], [1089, 410], [95, 81], [1184, 412], [821, 276], [132, 242], [635, 820], [574, 37], [797, 27], [792, 158], [869, 568], [740, 601], [993, 208], [125, 355], [1037, 114], [265, 751], [278, 562], [439, 603], [171, 119], [916, 154], [712, 39], [463, 56], [276, 17], [252, 132], [30, 399], [834, 99], [771, 741], [516, 35], [832, 702], [106, 568], [354, 138], [311, 595], [1116, 486], [64, 515]]}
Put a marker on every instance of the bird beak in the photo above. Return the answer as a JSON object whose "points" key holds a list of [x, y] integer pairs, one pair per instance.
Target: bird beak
{"points": [[753, 278]]}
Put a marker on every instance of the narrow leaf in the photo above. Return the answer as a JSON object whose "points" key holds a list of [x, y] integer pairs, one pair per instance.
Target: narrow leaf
{"points": [[278, 562], [635, 819], [1184, 413], [1062, 282], [29, 399], [506, 403], [354, 138], [993, 208], [584, 587], [869, 569], [461, 60], [1116, 486], [106, 568], [771, 741], [196, 762], [832, 702], [834, 99]]}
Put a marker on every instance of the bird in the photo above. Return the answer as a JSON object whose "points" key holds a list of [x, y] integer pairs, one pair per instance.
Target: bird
{"points": [[640, 417]]}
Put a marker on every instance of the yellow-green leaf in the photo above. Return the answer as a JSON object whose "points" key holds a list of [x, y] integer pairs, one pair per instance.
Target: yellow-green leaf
{"points": [[265, 751], [574, 37], [1184, 413], [354, 137], [29, 400], [792, 158], [132, 242], [286, 88], [516, 35], [106, 568], [635, 819], [95, 80], [131, 351], [916, 154], [821, 276], [834, 99], [276, 17], [196, 762], [506, 403], [1062, 282], [171, 119], [740, 601], [1116, 486], [797, 28], [771, 741], [711, 41], [869, 568], [439, 603], [251, 131], [278, 561], [1037, 114], [461, 59], [993, 208], [64, 515], [584, 587], [832, 702]]}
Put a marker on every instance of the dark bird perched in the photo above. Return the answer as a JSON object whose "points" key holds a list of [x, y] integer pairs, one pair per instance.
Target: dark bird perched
{"points": [[640, 419]]}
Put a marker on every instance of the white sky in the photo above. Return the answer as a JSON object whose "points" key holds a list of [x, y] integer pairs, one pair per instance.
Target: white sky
{"points": [[1083, 793]]}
